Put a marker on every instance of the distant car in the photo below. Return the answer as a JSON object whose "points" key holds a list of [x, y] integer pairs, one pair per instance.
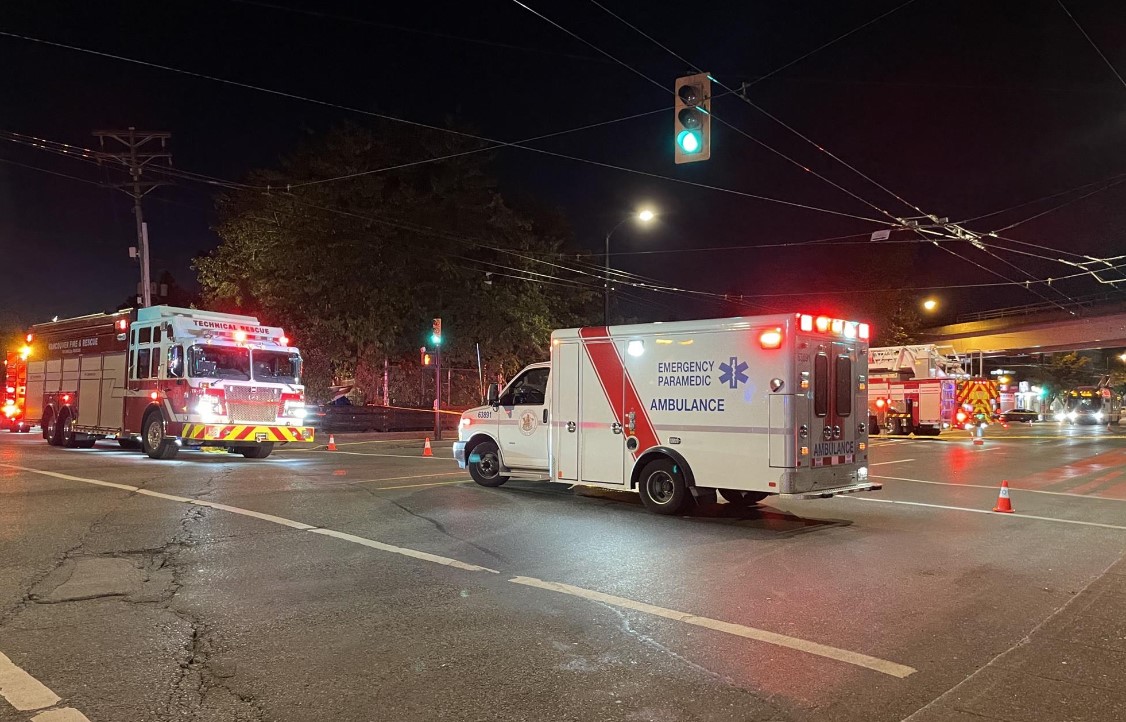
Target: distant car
{"points": [[1019, 415]]}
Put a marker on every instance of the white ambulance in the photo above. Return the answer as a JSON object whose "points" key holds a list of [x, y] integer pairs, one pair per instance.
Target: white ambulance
{"points": [[748, 407]]}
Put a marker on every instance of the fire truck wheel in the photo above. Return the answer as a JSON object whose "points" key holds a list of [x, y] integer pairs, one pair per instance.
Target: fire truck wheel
{"points": [[662, 486], [152, 438], [486, 470], [742, 499], [51, 431], [69, 438], [260, 451]]}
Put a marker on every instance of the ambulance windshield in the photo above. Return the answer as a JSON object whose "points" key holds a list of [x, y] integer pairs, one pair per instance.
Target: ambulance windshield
{"points": [[219, 362], [280, 367]]}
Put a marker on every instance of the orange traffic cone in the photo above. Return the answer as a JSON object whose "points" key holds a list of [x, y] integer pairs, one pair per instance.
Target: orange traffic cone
{"points": [[426, 449], [331, 443], [1003, 503]]}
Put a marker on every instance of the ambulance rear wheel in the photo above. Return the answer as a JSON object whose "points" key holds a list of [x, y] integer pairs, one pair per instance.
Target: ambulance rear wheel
{"points": [[486, 469], [742, 499], [152, 438], [662, 487]]}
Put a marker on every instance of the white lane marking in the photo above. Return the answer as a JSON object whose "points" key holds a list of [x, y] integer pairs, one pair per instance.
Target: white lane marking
{"points": [[369, 453], [23, 691], [885, 463], [841, 655], [256, 514], [424, 556], [985, 511], [68, 477], [63, 714], [404, 478], [415, 486], [445, 561], [984, 486]]}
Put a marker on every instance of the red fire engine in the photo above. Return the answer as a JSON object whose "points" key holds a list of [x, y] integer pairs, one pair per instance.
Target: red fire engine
{"points": [[162, 378], [12, 416], [912, 389]]}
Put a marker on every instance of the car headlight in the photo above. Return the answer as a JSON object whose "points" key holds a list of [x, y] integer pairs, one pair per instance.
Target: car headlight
{"points": [[1060, 416]]}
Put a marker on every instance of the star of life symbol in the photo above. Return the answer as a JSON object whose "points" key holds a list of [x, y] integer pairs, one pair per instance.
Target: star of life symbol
{"points": [[733, 373]]}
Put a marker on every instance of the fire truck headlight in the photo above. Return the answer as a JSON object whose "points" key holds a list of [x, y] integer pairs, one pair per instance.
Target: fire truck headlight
{"points": [[208, 406], [295, 409], [1098, 416], [1072, 416]]}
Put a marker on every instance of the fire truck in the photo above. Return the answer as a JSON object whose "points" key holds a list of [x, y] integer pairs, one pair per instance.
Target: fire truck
{"points": [[913, 389], [162, 378], [12, 416], [746, 407]]}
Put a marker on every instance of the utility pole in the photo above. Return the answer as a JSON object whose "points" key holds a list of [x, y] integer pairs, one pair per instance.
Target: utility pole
{"points": [[135, 153]]}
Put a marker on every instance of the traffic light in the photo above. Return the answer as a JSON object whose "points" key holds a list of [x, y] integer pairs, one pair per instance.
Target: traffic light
{"points": [[436, 336], [692, 123], [423, 357]]}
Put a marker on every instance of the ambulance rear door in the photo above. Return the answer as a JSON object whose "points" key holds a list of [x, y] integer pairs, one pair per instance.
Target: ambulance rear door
{"points": [[839, 404]]}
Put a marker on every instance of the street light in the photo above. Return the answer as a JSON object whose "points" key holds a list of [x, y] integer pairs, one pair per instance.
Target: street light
{"points": [[930, 304], [645, 215]]}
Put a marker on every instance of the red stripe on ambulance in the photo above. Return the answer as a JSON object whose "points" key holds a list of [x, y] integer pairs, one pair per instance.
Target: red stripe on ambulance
{"points": [[618, 386]]}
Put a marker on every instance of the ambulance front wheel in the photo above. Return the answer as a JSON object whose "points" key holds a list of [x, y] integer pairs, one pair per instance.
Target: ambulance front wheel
{"points": [[484, 464], [662, 487]]}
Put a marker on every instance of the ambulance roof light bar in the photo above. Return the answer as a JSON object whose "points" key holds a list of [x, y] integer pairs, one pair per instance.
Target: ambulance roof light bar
{"points": [[840, 327]]}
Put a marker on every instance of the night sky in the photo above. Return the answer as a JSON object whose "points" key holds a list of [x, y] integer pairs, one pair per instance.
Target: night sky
{"points": [[961, 107]]}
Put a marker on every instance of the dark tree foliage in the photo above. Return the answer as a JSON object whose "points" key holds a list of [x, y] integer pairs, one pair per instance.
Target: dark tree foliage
{"points": [[356, 268]]}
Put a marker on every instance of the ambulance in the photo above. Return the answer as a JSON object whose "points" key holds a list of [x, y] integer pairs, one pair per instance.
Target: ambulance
{"points": [[747, 407], [162, 378]]}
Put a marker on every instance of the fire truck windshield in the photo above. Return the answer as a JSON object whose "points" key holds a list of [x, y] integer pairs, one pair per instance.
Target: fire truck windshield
{"points": [[219, 362], [283, 367]]}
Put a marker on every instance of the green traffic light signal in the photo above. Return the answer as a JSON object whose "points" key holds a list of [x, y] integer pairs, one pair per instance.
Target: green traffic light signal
{"points": [[435, 339], [688, 141]]}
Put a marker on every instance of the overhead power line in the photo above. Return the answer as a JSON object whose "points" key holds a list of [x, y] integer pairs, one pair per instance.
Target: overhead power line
{"points": [[1093, 45], [426, 126]]}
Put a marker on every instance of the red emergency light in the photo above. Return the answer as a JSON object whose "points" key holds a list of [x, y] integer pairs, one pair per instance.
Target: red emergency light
{"points": [[806, 322], [30, 337], [863, 331], [961, 417], [771, 338], [823, 323], [240, 336], [880, 403], [284, 341], [122, 324]]}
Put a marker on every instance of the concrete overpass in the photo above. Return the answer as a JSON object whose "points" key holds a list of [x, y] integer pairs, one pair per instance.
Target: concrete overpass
{"points": [[1041, 332]]}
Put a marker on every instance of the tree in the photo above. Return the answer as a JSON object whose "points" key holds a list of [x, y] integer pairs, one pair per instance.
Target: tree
{"points": [[1069, 370], [357, 267], [899, 325]]}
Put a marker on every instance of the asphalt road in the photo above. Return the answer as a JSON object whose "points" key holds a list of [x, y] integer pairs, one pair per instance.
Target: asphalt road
{"points": [[372, 583]]}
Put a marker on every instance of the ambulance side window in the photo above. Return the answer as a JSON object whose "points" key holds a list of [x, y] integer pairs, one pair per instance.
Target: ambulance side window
{"points": [[529, 389], [821, 385], [143, 362], [843, 386]]}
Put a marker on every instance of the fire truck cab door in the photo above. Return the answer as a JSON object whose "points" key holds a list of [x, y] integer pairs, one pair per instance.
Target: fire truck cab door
{"points": [[524, 426]]}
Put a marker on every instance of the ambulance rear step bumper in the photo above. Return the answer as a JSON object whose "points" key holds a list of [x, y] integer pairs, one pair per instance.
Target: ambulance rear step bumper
{"points": [[826, 493]]}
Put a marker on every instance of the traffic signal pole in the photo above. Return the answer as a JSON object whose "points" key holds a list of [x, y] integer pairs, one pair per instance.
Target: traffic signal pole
{"points": [[438, 393]]}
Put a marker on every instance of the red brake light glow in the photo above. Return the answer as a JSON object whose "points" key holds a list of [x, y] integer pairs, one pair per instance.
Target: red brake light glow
{"points": [[771, 338]]}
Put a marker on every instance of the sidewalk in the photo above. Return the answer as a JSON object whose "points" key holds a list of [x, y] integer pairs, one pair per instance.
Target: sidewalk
{"points": [[1072, 668]]}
